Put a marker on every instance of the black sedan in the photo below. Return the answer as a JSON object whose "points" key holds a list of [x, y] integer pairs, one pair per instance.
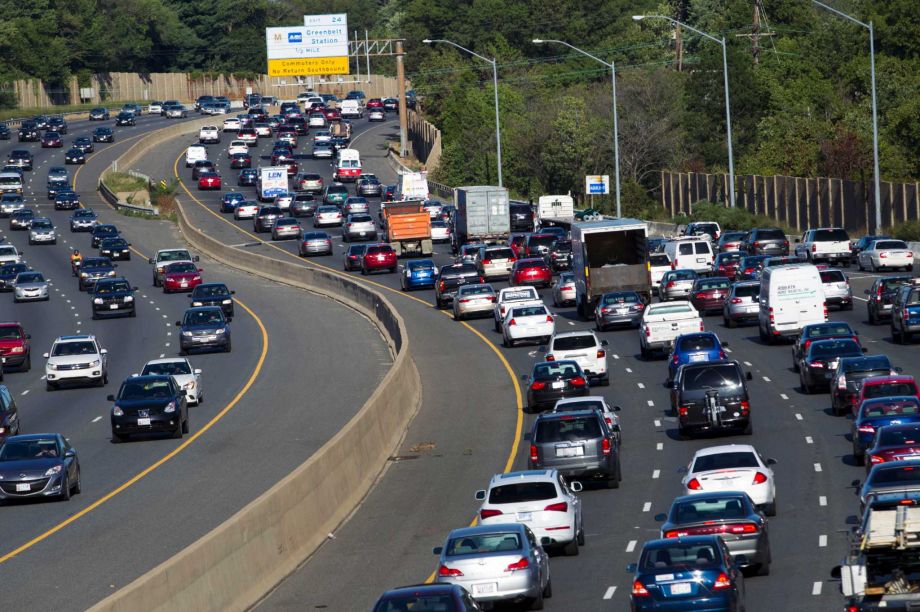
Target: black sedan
{"points": [[113, 297], [124, 118], [74, 156], [38, 465], [99, 114], [248, 177], [102, 231], [846, 380], [213, 294], [115, 248], [67, 200], [204, 327], [103, 134], [9, 272], [52, 140], [94, 269], [731, 515], [819, 331], [83, 143], [819, 363], [551, 381], [149, 404]]}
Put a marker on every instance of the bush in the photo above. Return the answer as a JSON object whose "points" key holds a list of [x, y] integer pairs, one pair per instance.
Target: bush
{"points": [[909, 231], [730, 218]]}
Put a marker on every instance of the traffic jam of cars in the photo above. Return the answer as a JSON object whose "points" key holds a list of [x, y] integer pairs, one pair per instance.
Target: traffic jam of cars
{"points": [[89, 265], [574, 297]]}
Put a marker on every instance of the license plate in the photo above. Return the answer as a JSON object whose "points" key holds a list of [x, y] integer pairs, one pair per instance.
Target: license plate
{"points": [[183, 284], [558, 384], [622, 310], [524, 516], [680, 588], [113, 306], [700, 260], [143, 422], [695, 358], [24, 486], [570, 451], [485, 589]]}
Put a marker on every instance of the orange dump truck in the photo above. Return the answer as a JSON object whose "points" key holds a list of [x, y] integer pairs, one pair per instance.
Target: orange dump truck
{"points": [[407, 227]]}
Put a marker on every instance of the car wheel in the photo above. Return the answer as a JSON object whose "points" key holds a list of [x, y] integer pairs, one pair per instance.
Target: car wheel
{"points": [[571, 549], [78, 486], [228, 347], [871, 265], [177, 434], [804, 386], [795, 364], [50, 386], [27, 364], [646, 354], [873, 319], [763, 569], [905, 337], [748, 429], [847, 306], [859, 265], [730, 323], [548, 589], [536, 603], [65, 489], [133, 312], [185, 426], [770, 509], [858, 456]]}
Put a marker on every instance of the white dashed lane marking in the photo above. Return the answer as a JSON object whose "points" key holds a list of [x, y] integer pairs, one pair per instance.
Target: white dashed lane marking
{"points": [[97, 419], [659, 446], [656, 473], [646, 506], [822, 500], [784, 396], [816, 588], [817, 467], [631, 546], [808, 440], [822, 540], [608, 594]]}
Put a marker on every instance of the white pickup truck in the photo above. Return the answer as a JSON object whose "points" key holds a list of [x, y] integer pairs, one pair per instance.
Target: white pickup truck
{"points": [[209, 134], [830, 244], [663, 322], [513, 296]]}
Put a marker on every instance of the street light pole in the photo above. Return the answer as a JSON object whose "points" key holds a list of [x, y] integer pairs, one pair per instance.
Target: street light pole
{"points": [[877, 179], [728, 105], [616, 123], [498, 130]]}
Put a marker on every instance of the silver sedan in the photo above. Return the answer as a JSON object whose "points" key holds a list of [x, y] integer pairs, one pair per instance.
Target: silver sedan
{"points": [[286, 228], [474, 300], [315, 243], [890, 254], [30, 286]]}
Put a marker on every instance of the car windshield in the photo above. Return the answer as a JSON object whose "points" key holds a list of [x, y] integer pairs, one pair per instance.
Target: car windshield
{"points": [[541, 240], [168, 368], [889, 389], [204, 317], [831, 235], [417, 603], [899, 436], [18, 450], [714, 376], [420, 265], [574, 343], [829, 329], [30, 277], [834, 348], [567, 429], [878, 363], [660, 309], [753, 262], [360, 219], [281, 222], [680, 275], [109, 288], [11, 269], [501, 253], [696, 343], [42, 224], [724, 461], [659, 259], [724, 258], [533, 263], [483, 543], [522, 492], [563, 246], [586, 404], [210, 291], [890, 407], [145, 389], [113, 243], [529, 311], [8, 332], [97, 262], [709, 509], [751, 291], [379, 249], [679, 556], [476, 290], [713, 283], [67, 349]]}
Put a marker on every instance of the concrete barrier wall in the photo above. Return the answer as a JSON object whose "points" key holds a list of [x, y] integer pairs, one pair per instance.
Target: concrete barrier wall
{"points": [[140, 148], [235, 564]]}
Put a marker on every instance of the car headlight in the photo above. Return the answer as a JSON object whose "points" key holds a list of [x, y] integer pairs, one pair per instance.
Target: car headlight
{"points": [[197, 304], [83, 274], [17, 349], [95, 363], [97, 301], [189, 385], [129, 298], [111, 273], [170, 408], [53, 470], [52, 366], [117, 411], [219, 331], [187, 334], [227, 302]]}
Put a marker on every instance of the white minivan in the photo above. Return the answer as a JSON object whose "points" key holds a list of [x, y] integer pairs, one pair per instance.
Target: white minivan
{"points": [[195, 153], [690, 254], [791, 297]]}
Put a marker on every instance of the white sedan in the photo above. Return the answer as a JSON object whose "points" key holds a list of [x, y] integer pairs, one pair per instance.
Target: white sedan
{"points": [[891, 254], [187, 377], [245, 210], [232, 124], [733, 467], [237, 146], [532, 322], [564, 290]]}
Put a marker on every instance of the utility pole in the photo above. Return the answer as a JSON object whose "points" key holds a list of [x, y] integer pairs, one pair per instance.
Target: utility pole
{"points": [[403, 115], [680, 49]]}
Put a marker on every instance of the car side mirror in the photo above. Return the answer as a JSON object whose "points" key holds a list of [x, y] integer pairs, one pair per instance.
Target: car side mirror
{"points": [[740, 559], [836, 572], [604, 343], [617, 408], [195, 258], [726, 345], [866, 291], [797, 241], [201, 269], [437, 550], [682, 469], [864, 350], [178, 323], [480, 495], [545, 541], [749, 376], [45, 355], [104, 352], [541, 349], [28, 336], [197, 370], [631, 568], [855, 483], [899, 369], [771, 461], [70, 453], [110, 397], [150, 260]]}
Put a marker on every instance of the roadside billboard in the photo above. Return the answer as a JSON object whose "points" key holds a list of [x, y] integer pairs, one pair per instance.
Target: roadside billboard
{"points": [[318, 47]]}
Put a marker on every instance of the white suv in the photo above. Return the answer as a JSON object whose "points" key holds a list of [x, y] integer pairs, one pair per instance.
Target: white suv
{"points": [[585, 348], [76, 359], [209, 134], [542, 500]]}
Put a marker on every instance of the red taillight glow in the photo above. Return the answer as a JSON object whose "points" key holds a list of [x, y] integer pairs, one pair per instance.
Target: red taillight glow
{"points": [[760, 478], [605, 446], [447, 572], [533, 453], [737, 300], [683, 411], [873, 459], [520, 564], [638, 590], [559, 507], [601, 354], [694, 485], [538, 385], [866, 429], [722, 582], [484, 514], [745, 407], [549, 319], [579, 381], [512, 322], [669, 285]]}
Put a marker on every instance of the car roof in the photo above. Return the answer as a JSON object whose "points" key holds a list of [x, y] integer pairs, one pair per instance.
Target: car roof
{"points": [[203, 309], [724, 448], [434, 588], [523, 476], [696, 539], [573, 334], [583, 398], [145, 377], [80, 338]]}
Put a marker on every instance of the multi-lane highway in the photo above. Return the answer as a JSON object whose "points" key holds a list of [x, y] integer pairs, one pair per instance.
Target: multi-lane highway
{"points": [[288, 385], [471, 426]]}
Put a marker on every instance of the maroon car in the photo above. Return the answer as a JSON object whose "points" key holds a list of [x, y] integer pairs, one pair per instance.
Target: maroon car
{"points": [[241, 160], [894, 443], [532, 271], [378, 257], [374, 103], [709, 294], [332, 114], [726, 264], [15, 347]]}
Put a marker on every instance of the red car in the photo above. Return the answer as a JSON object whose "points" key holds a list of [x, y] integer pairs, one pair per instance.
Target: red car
{"points": [[292, 166], [332, 114], [15, 347], [894, 443], [209, 180], [709, 294], [378, 257], [886, 386], [374, 103], [726, 264], [52, 140], [181, 276], [531, 271]]}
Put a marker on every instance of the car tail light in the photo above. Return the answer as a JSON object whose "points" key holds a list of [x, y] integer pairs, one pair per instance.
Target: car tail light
{"points": [[441, 287], [559, 507], [737, 300], [512, 322], [549, 318], [910, 254], [745, 406], [756, 244], [486, 262], [492, 299], [721, 354], [520, 564], [601, 354], [905, 314], [759, 478], [701, 296], [683, 411], [579, 381], [648, 332], [722, 582], [814, 248], [550, 357], [825, 311], [609, 421], [694, 485], [883, 255], [482, 279], [605, 446], [875, 459], [533, 453], [772, 318], [866, 429], [638, 589], [538, 385], [669, 285], [676, 359], [447, 572], [702, 328], [785, 243], [484, 514]]}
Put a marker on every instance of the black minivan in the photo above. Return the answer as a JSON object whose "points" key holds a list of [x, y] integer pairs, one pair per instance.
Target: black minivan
{"points": [[711, 397]]}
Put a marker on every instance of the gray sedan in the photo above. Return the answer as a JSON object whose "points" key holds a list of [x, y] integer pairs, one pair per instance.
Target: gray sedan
{"points": [[474, 300], [742, 305], [30, 287], [286, 228], [315, 243], [618, 308], [676, 285], [496, 562]]}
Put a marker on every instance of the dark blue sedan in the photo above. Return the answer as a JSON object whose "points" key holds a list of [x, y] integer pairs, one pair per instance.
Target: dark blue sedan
{"points": [[38, 465], [418, 274], [204, 327], [229, 202], [687, 573], [875, 413], [750, 268], [691, 348], [451, 597]]}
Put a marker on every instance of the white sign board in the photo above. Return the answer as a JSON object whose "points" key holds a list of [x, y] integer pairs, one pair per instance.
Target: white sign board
{"points": [[597, 184], [319, 21], [302, 42], [272, 181]]}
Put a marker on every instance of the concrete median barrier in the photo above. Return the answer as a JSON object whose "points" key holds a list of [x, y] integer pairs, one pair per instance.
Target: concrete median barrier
{"points": [[235, 564]]}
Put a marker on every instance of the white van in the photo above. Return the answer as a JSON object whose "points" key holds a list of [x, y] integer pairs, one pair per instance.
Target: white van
{"points": [[10, 182], [691, 253], [195, 153], [791, 297], [347, 166], [351, 109]]}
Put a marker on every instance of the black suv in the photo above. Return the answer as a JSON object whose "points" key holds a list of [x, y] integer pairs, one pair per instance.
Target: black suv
{"points": [[93, 270], [213, 294], [450, 278], [878, 304], [711, 396], [28, 132], [113, 296], [125, 118], [521, 217], [115, 248], [103, 134], [770, 241], [578, 444], [559, 257], [149, 404], [265, 218], [846, 381]]}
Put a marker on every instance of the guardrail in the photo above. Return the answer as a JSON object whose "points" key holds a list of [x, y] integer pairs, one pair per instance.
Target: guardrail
{"points": [[235, 564]]}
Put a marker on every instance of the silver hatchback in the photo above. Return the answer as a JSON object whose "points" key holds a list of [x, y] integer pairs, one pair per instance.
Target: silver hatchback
{"points": [[676, 285], [359, 226], [742, 305], [496, 562]]}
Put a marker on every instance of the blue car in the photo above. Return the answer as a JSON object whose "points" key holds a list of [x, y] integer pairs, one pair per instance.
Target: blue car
{"points": [[687, 573], [750, 268], [418, 274], [204, 327], [427, 597], [230, 201], [875, 413], [691, 348]]}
